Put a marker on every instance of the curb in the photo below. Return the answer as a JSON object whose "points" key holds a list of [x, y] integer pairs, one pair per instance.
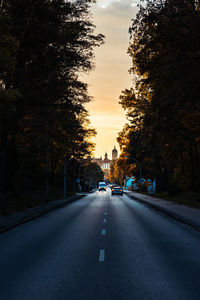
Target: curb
{"points": [[167, 212], [37, 215]]}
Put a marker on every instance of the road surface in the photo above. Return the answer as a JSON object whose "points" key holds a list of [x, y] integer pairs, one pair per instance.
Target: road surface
{"points": [[100, 247]]}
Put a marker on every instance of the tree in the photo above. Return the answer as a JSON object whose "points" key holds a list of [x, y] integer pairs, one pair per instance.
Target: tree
{"points": [[93, 174], [53, 43], [163, 108], [8, 95]]}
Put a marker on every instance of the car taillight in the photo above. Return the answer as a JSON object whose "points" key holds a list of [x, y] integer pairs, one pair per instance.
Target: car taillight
{"points": [[121, 190]]}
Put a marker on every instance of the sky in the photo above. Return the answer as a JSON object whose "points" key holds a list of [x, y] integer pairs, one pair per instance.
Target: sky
{"points": [[111, 76]]}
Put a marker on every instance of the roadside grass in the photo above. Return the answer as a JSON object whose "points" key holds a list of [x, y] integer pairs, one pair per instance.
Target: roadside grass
{"points": [[191, 199], [21, 199]]}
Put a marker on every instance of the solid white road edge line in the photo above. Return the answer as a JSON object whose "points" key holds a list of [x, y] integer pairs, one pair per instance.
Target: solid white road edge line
{"points": [[101, 255]]}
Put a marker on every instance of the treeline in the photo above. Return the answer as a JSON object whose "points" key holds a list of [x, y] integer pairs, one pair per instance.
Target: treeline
{"points": [[163, 133], [44, 46]]}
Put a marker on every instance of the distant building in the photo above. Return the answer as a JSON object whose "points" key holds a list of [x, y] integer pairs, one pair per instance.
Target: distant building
{"points": [[105, 165], [114, 154], [106, 162]]}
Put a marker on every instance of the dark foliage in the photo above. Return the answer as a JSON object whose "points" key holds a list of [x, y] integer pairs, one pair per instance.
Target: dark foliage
{"points": [[163, 107], [44, 46]]}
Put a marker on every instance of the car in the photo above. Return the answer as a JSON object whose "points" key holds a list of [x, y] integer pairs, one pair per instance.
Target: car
{"points": [[102, 186], [113, 185], [117, 190]]}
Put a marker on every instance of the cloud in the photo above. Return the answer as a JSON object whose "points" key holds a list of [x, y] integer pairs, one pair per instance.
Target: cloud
{"points": [[110, 3], [113, 18], [116, 6], [112, 61], [105, 3]]}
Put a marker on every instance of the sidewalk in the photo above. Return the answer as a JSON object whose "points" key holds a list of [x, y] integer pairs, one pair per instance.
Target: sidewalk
{"points": [[182, 213], [10, 221]]}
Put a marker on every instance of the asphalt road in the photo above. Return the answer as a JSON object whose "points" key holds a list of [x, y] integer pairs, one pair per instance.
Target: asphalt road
{"points": [[100, 247]]}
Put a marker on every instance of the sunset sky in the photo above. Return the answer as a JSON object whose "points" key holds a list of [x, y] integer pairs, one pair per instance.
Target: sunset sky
{"points": [[112, 18]]}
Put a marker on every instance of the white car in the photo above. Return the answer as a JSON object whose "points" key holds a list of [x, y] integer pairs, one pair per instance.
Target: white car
{"points": [[102, 186]]}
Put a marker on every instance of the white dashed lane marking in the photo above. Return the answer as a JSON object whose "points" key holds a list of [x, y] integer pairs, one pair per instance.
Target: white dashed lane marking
{"points": [[101, 255], [103, 232], [105, 214], [104, 220]]}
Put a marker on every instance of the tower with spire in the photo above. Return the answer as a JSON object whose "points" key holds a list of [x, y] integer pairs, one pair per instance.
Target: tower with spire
{"points": [[114, 154], [106, 162]]}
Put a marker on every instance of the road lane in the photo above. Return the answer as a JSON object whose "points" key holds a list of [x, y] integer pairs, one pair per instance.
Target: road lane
{"points": [[49, 252], [78, 252], [158, 257]]}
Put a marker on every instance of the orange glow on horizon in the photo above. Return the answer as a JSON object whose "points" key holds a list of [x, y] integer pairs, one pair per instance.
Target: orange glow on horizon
{"points": [[111, 75]]}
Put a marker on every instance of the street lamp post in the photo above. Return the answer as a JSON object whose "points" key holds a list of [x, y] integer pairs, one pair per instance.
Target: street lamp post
{"points": [[74, 176], [47, 174], [65, 178], [79, 177]]}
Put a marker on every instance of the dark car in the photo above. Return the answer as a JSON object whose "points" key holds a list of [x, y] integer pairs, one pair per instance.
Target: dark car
{"points": [[117, 190]]}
